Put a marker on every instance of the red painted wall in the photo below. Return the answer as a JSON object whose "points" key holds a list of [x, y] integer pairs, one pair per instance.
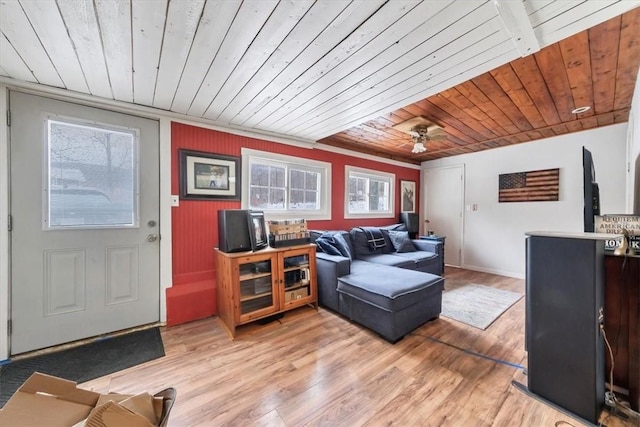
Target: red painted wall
{"points": [[195, 225]]}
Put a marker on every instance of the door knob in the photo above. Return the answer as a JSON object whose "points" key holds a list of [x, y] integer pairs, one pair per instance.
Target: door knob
{"points": [[152, 237]]}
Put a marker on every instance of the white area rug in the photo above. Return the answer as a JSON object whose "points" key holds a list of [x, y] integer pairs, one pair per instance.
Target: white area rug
{"points": [[477, 305]]}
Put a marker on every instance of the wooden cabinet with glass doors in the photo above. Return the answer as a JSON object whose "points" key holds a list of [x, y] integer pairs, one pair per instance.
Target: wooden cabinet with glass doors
{"points": [[255, 285]]}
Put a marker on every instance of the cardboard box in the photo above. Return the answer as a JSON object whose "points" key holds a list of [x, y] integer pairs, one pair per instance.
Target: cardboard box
{"points": [[44, 400]]}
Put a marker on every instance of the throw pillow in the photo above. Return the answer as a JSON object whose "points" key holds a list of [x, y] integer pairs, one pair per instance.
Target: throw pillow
{"points": [[314, 234], [327, 246], [360, 243], [342, 245], [396, 227], [401, 241], [388, 246]]}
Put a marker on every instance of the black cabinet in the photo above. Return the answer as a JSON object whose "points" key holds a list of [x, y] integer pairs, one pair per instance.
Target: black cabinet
{"points": [[564, 310], [411, 221]]}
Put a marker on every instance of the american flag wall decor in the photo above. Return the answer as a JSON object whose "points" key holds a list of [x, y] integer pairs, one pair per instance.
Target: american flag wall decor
{"points": [[533, 186]]}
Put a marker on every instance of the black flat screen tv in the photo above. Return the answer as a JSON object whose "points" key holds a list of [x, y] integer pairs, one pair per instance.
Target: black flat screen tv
{"points": [[591, 191]]}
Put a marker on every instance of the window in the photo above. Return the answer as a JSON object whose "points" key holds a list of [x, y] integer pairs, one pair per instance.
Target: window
{"points": [[369, 193], [284, 186], [91, 179]]}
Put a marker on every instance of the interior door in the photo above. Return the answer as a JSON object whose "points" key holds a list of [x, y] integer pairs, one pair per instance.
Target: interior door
{"points": [[444, 204], [84, 208]]}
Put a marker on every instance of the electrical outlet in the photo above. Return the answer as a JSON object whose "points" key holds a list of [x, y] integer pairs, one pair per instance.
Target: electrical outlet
{"points": [[175, 201]]}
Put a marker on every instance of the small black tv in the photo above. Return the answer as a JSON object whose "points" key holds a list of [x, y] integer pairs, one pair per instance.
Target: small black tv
{"points": [[257, 230], [591, 191], [233, 231]]}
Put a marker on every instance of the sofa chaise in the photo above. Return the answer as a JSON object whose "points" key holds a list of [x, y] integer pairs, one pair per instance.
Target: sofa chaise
{"points": [[380, 278]]}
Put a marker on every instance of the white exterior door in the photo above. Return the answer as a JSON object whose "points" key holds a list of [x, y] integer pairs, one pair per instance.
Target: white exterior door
{"points": [[444, 208], [84, 209]]}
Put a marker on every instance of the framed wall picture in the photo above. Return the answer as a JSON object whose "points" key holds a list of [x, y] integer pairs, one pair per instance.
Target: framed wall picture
{"points": [[208, 176], [531, 186], [408, 194]]}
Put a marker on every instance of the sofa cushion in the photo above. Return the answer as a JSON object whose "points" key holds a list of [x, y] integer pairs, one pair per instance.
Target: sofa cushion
{"points": [[388, 247], [375, 239], [421, 259], [390, 260], [398, 227], [360, 243], [343, 246], [401, 241], [386, 287], [326, 245], [314, 234], [334, 243]]}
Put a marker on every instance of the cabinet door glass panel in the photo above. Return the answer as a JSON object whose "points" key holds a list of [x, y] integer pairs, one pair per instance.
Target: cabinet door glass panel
{"points": [[256, 290], [297, 278]]}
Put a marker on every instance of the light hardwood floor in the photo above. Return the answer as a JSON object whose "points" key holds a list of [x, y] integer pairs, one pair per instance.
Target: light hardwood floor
{"points": [[317, 368]]}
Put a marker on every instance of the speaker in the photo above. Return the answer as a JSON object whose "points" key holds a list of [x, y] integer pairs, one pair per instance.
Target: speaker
{"points": [[233, 231], [411, 221], [564, 305]]}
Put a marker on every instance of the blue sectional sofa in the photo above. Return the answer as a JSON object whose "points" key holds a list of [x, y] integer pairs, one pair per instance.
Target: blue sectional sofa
{"points": [[380, 278]]}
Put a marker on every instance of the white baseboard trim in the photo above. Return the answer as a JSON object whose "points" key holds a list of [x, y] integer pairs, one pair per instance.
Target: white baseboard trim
{"points": [[494, 271]]}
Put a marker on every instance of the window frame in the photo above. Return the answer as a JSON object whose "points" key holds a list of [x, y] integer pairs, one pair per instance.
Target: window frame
{"points": [[369, 174], [250, 156]]}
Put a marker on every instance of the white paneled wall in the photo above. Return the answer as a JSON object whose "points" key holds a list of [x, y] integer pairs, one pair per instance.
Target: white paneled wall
{"points": [[494, 234]]}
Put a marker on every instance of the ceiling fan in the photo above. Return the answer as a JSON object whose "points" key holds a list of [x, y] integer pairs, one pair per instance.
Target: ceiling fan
{"points": [[421, 130]]}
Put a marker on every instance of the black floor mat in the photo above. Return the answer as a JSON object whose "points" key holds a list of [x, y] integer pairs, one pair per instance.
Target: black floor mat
{"points": [[86, 362]]}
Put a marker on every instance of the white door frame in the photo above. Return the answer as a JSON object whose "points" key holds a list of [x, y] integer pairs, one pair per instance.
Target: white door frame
{"points": [[4, 226], [166, 274], [423, 198]]}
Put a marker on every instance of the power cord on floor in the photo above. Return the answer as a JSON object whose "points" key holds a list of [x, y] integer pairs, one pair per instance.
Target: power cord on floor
{"points": [[472, 353], [610, 398]]}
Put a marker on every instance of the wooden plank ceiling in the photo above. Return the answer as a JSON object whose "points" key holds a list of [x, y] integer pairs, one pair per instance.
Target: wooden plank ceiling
{"points": [[527, 99], [340, 72]]}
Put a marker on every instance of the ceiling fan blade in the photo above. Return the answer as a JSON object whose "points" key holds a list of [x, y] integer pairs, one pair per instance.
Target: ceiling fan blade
{"points": [[439, 137]]}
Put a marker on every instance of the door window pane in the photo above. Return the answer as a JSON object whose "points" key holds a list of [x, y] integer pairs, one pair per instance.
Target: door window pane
{"points": [[92, 176]]}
